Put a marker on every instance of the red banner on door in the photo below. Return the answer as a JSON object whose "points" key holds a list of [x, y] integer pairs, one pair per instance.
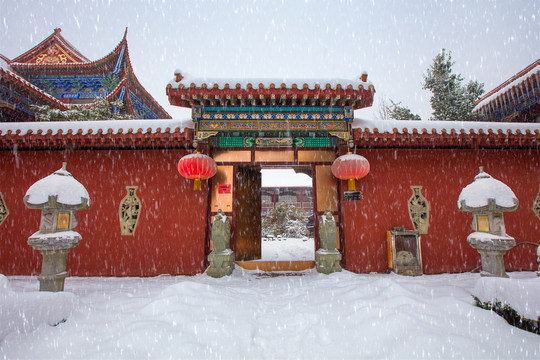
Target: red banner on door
{"points": [[224, 189]]}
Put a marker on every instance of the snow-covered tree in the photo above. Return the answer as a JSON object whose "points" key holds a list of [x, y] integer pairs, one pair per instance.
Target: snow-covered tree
{"points": [[391, 110], [286, 220], [398, 112], [451, 101], [100, 109]]}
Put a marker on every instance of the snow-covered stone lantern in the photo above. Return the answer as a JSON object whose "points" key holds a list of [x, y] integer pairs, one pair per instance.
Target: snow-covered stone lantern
{"points": [[487, 199], [58, 196]]}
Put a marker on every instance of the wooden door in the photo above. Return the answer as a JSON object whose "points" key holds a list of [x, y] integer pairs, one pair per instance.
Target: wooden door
{"points": [[247, 232]]}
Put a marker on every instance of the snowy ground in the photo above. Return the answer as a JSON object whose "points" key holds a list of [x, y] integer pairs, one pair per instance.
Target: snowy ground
{"points": [[288, 249], [252, 316]]}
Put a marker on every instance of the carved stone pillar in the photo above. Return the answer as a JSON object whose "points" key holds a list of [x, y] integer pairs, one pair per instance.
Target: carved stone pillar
{"points": [[222, 257], [327, 258]]}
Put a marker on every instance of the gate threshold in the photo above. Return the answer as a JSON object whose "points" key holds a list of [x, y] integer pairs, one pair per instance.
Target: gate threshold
{"points": [[269, 266]]}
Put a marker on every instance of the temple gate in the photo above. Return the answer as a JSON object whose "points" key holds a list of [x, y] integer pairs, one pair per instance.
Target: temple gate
{"points": [[302, 125]]}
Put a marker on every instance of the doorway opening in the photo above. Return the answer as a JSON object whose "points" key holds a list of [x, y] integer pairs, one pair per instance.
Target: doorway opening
{"points": [[287, 218]]}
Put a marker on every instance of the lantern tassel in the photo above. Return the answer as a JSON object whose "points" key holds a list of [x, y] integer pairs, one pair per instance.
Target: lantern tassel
{"points": [[197, 185], [351, 185]]}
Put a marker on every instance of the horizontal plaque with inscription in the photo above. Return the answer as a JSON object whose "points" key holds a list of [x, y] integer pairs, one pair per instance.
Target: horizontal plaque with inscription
{"points": [[352, 195]]}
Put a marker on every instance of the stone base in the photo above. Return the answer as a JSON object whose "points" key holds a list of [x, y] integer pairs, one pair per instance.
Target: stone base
{"points": [[221, 263], [327, 261], [52, 283], [492, 249], [54, 247], [53, 270]]}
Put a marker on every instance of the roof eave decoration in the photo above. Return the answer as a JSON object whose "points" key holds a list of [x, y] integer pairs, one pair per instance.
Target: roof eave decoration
{"points": [[518, 93], [34, 90], [54, 49], [186, 91], [108, 63]]}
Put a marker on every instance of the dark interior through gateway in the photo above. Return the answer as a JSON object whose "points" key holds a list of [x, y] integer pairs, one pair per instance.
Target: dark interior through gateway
{"points": [[274, 210]]}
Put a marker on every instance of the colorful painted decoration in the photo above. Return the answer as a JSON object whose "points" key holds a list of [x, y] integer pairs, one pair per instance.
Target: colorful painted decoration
{"points": [[350, 167], [197, 167], [419, 210], [130, 209]]}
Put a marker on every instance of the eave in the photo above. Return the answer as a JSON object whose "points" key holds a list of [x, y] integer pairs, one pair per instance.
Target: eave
{"points": [[189, 97]]}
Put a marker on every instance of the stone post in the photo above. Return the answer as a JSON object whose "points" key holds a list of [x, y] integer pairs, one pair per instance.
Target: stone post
{"points": [[327, 258], [222, 257], [58, 196]]}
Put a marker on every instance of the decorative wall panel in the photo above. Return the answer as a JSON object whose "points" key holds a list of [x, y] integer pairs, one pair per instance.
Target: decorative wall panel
{"points": [[419, 210], [130, 209]]}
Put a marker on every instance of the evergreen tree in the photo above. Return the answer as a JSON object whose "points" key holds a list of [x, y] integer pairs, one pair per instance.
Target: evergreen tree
{"points": [[450, 100], [100, 109], [398, 112], [391, 110]]}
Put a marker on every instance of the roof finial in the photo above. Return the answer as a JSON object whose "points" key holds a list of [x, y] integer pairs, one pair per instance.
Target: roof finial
{"points": [[178, 75], [64, 166], [125, 33], [364, 76], [481, 169], [57, 31]]}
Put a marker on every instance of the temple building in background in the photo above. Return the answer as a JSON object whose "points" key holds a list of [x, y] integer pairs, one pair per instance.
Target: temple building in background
{"points": [[515, 100], [56, 74]]}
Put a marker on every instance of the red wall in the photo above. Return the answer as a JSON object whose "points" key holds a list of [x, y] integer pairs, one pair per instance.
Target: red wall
{"points": [[170, 234], [442, 173]]}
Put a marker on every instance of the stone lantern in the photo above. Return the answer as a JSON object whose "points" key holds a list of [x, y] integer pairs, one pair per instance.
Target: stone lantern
{"points": [[58, 196], [487, 199]]}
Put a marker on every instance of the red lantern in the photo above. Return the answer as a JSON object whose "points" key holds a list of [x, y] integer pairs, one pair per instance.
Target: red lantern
{"points": [[350, 167], [197, 167]]}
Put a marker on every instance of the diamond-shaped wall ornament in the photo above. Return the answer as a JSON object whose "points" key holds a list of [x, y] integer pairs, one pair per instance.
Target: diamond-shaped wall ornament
{"points": [[536, 205], [4, 212]]}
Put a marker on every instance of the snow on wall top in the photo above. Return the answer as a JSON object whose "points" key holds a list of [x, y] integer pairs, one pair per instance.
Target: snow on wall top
{"points": [[94, 127], [161, 125], [496, 93], [60, 184], [187, 80], [484, 189], [402, 126]]}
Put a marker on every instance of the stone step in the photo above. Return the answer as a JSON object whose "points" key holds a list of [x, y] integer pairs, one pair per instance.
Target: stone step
{"points": [[276, 265]]}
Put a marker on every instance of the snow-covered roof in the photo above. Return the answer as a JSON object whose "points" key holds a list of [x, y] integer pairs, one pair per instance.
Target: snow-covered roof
{"points": [[402, 126], [123, 126], [485, 189], [3, 63], [187, 80], [60, 185], [94, 127], [5, 68], [516, 80]]}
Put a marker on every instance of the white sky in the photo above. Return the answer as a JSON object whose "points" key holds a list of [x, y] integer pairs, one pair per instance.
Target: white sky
{"points": [[395, 41], [284, 178]]}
